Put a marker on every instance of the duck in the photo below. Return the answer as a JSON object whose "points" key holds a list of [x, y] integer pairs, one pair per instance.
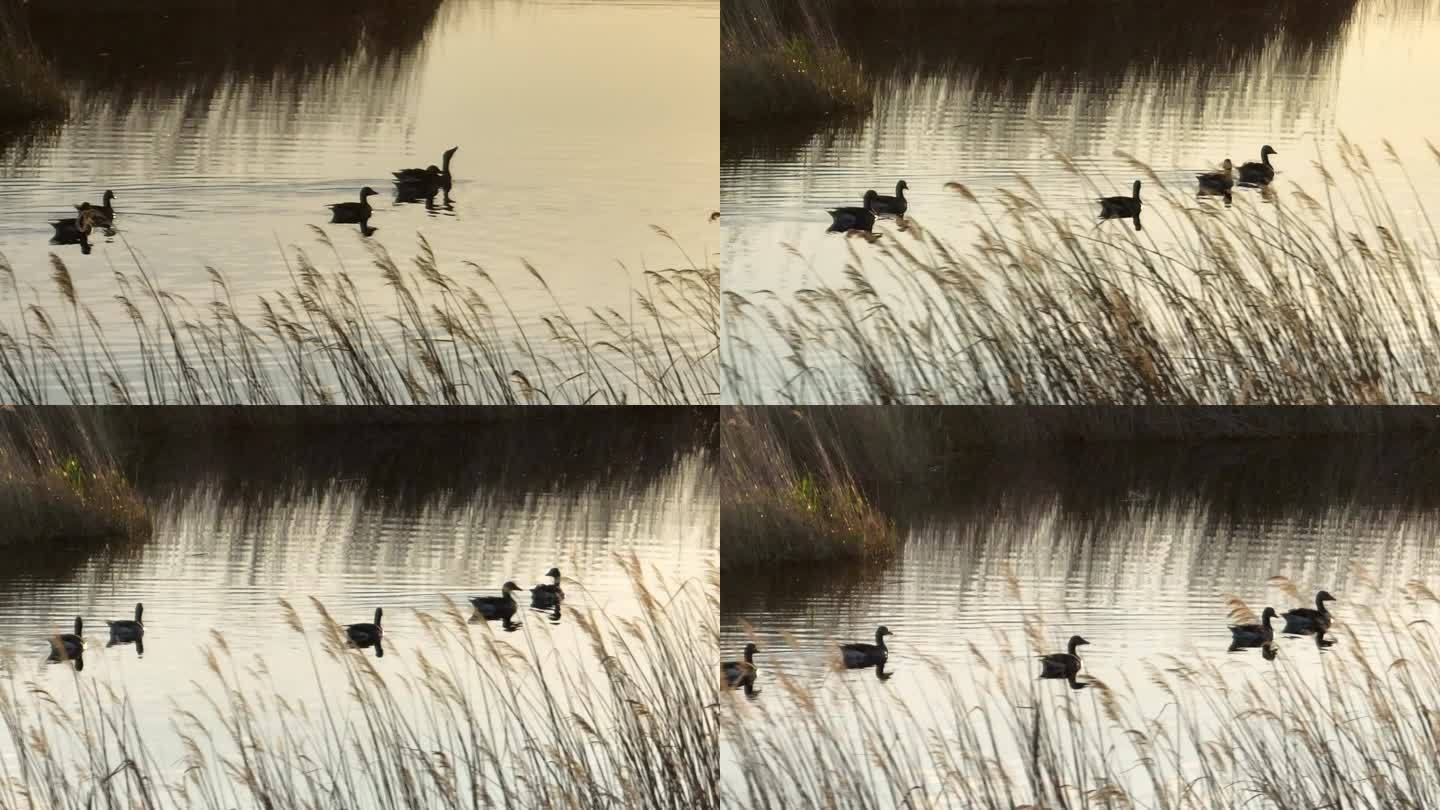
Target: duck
{"points": [[1121, 207], [103, 215], [1220, 182], [430, 177], [497, 607], [1254, 635], [1062, 665], [1259, 174], [366, 633], [353, 212], [76, 228], [68, 646], [853, 218], [128, 629], [883, 204], [1305, 620], [741, 673], [547, 594], [860, 654]]}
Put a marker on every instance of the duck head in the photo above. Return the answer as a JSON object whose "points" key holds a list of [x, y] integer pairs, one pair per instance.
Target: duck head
{"points": [[109, 195], [367, 192], [870, 197], [553, 572], [1136, 190], [379, 612], [1077, 641], [1323, 596], [449, 153], [750, 650], [1227, 166], [139, 611], [508, 587], [901, 186], [882, 631], [1267, 616], [1267, 150]]}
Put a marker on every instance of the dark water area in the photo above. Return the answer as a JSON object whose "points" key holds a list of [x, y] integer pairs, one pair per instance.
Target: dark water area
{"points": [[1141, 548], [227, 132]]}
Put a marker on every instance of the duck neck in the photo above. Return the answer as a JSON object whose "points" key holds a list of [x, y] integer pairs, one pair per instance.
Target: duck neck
{"points": [[749, 655], [1265, 158], [880, 640], [1073, 647], [445, 165], [1320, 606], [899, 191]]}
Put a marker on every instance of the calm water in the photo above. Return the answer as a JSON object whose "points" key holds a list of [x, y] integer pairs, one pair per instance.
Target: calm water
{"points": [[1138, 551], [403, 519], [580, 125], [992, 99]]}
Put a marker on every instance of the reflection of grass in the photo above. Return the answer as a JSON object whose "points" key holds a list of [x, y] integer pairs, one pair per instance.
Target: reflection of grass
{"points": [[781, 502], [1298, 302], [468, 719], [765, 79], [29, 88], [447, 339], [57, 488], [1352, 727]]}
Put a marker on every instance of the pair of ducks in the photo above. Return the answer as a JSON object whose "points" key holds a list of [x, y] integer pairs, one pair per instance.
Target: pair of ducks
{"points": [[411, 185], [1300, 621], [88, 217], [545, 595], [1221, 182], [862, 218], [71, 646]]}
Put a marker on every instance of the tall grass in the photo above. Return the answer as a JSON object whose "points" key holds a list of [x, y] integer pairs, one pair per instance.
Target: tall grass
{"points": [[443, 339], [787, 495], [29, 87], [60, 486], [470, 721], [1352, 727], [1308, 300]]}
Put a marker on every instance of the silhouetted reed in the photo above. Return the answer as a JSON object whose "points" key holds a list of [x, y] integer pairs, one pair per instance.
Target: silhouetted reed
{"points": [[449, 339], [29, 87], [1304, 301], [458, 718]]}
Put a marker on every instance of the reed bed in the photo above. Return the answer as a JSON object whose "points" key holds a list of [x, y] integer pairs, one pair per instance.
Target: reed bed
{"points": [[29, 87], [1350, 727], [473, 721], [1309, 300], [787, 495], [446, 338], [59, 485]]}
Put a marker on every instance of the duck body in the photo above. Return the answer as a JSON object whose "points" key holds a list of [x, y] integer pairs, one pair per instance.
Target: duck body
{"points": [[68, 646], [366, 633], [497, 607], [75, 228], [129, 629], [1062, 665], [741, 673], [1121, 207], [430, 178], [860, 654], [351, 213], [1259, 174], [883, 204], [1218, 182], [1254, 635], [1307, 620], [547, 595], [103, 215], [852, 218]]}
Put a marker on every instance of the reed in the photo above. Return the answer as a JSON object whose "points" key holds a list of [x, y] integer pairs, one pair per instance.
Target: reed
{"points": [[59, 485], [449, 337], [470, 720], [787, 495], [1309, 300], [29, 88], [1351, 727]]}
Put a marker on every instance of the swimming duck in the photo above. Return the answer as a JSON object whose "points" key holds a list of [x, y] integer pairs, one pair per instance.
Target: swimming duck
{"points": [[1218, 182], [853, 218], [882, 204], [1062, 665], [430, 176], [366, 633], [1121, 207], [1253, 635], [741, 673], [1259, 174], [352, 212], [497, 607], [1305, 620], [75, 228], [126, 629], [860, 654], [68, 646], [547, 595], [103, 215]]}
